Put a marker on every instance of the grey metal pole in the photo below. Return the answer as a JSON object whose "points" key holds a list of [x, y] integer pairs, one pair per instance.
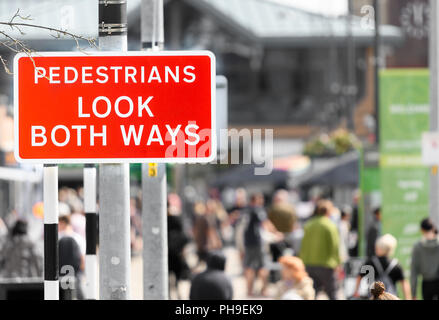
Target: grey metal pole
{"points": [[154, 202], [152, 25], [114, 184], [434, 101], [155, 235]]}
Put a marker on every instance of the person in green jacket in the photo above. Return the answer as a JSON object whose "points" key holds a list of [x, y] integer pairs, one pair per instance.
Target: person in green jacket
{"points": [[425, 262], [320, 250]]}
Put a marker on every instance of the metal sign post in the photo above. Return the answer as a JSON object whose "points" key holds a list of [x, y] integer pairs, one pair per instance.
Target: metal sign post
{"points": [[114, 190], [154, 197]]}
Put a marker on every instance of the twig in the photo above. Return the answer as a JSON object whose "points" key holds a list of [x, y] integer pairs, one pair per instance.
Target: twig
{"points": [[91, 41], [17, 15], [5, 65], [17, 45]]}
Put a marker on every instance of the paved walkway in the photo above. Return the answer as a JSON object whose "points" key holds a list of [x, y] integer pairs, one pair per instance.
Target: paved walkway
{"points": [[233, 269]]}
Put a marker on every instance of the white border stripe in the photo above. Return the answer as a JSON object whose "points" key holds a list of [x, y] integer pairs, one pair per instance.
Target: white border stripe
{"points": [[120, 53], [89, 190], [50, 195]]}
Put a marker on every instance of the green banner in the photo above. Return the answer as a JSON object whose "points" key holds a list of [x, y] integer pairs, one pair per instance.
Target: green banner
{"points": [[404, 115]]}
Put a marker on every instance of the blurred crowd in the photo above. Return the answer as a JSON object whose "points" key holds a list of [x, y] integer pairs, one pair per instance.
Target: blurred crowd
{"points": [[283, 254], [300, 257]]}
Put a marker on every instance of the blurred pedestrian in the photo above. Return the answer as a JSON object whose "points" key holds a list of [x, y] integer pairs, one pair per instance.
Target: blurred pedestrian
{"points": [[283, 216], [215, 217], [385, 268], [212, 284], [77, 217], [296, 284], [3, 234], [239, 207], [353, 233], [378, 292], [425, 262], [343, 229], [373, 232], [135, 226], [71, 265], [65, 228], [205, 232], [177, 241], [71, 253], [256, 219], [217, 213], [19, 256], [320, 249]]}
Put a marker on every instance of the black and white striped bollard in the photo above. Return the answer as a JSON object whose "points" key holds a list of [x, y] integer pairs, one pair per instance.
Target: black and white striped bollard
{"points": [[91, 234], [51, 254]]}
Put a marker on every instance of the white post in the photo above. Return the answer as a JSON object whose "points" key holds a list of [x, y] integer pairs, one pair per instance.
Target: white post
{"points": [[51, 255], [91, 233], [154, 202], [114, 183]]}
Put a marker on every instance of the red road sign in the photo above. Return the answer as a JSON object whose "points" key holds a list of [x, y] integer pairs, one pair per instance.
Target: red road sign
{"points": [[115, 107]]}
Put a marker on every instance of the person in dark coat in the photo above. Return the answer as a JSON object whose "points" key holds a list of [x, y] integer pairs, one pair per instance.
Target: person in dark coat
{"points": [[177, 241], [19, 257], [212, 284], [70, 258], [425, 262], [373, 232]]}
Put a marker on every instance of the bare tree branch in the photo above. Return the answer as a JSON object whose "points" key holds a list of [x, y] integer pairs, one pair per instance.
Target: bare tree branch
{"points": [[17, 15], [91, 41], [17, 45]]}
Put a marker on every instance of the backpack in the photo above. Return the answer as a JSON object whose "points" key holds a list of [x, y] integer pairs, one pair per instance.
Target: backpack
{"points": [[383, 275]]}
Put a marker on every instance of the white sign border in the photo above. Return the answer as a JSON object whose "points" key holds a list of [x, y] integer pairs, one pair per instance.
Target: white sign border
{"points": [[119, 54]]}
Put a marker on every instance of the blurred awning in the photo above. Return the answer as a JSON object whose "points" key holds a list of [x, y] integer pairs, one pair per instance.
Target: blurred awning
{"points": [[244, 175], [266, 22], [274, 24], [337, 171]]}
